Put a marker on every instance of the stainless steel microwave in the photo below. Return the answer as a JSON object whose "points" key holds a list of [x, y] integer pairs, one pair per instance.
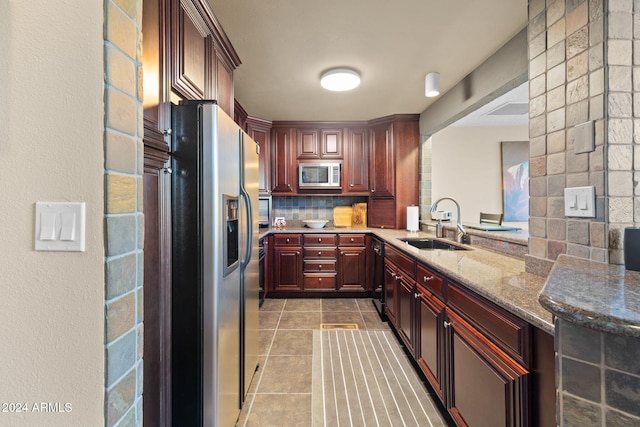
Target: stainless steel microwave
{"points": [[319, 174]]}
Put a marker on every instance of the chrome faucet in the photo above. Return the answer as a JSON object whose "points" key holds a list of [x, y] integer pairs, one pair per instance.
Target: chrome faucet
{"points": [[461, 237]]}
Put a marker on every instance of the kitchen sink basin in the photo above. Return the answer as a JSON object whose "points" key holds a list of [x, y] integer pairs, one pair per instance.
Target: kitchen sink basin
{"points": [[432, 244]]}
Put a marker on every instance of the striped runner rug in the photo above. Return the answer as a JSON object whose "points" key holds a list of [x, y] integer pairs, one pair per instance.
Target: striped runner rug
{"points": [[363, 378]]}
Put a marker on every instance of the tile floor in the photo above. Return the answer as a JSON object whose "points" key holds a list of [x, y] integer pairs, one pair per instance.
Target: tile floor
{"points": [[281, 391]]}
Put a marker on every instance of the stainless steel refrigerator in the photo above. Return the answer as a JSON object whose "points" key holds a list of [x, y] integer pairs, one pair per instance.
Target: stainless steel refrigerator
{"points": [[214, 265]]}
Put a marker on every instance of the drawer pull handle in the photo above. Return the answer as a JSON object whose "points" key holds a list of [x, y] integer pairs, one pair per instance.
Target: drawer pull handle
{"points": [[426, 279], [320, 280], [352, 240], [320, 267], [446, 324], [319, 239], [287, 240], [416, 295], [319, 253]]}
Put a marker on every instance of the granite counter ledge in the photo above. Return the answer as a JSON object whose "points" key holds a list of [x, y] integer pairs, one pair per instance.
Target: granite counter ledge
{"points": [[499, 278], [602, 297]]}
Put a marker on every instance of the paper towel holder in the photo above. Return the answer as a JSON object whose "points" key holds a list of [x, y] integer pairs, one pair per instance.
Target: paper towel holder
{"points": [[413, 218]]}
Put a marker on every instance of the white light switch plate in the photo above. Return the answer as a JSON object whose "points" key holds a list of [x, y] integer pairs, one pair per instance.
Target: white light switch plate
{"points": [[580, 202], [60, 226]]}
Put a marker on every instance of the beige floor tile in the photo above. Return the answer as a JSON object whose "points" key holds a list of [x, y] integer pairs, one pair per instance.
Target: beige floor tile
{"points": [[269, 319], [372, 321], [292, 343], [266, 338], [365, 304], [339, 304], [300, 320], [303, 304], [286, 374], [281, 410], [272, 304]]}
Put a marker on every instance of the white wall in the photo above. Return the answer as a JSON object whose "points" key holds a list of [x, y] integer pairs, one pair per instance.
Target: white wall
{"points": [[466, 166], [51, 149]]}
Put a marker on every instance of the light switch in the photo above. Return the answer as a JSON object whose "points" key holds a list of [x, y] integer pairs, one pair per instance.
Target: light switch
{"points": [[60, 226], [580, 202], [48, 226]]}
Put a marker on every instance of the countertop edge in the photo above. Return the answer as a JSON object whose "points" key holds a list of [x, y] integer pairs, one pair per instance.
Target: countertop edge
{"points": [[557, 298]]}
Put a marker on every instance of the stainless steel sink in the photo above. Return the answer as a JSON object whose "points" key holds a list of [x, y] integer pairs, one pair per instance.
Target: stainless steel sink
{"points": [[432, 244]]}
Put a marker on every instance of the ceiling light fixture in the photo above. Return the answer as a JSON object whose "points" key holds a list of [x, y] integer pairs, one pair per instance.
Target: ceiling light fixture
{"points": [[340, 79], [432, 85]]}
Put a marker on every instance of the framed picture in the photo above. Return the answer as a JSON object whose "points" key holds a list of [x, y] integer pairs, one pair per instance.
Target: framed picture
{"points": [[515, 180]]}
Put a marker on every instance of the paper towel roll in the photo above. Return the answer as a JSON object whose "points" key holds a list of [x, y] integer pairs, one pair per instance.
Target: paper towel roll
{"points": [[413, 212]]}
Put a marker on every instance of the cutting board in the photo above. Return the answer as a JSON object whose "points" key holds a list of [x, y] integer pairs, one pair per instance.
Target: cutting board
{"points": [[342, 216], [359, 218]]}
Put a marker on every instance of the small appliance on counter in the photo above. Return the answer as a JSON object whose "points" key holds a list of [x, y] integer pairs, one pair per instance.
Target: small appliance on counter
{"points": [[441, 215]]}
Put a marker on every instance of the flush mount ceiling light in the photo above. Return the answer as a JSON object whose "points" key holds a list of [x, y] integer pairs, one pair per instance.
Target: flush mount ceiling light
{"points": [[432, 85], [340, 79]]}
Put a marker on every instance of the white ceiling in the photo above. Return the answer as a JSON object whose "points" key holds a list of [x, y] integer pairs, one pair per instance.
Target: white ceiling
{"points": [[285, 45]]}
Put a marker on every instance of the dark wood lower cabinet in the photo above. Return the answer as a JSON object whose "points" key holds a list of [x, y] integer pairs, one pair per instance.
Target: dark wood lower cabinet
{"points": [[352, 265], [288, 268], [430, 338], [406, 311], [486, 386], [488, 367]]}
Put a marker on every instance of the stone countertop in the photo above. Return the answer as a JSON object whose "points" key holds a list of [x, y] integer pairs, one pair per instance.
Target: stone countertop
{"points": [[497, 277], [603, 297]]}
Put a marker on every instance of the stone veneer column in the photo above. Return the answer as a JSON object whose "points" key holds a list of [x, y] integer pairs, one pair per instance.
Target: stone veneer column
{"points": [[598, 377], [123, 212], [566, 88]]}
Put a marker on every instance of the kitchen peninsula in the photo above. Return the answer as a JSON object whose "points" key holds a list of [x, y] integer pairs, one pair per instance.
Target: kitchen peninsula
{"points": [[469, 319]]}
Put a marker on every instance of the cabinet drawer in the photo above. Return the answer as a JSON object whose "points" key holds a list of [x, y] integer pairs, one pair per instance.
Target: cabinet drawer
{"points": [[320, 239], [351, 240], [320, 265], [319, 281], [406, 264], [287, 239], [320, 252], [506, 330], [430, 280]]}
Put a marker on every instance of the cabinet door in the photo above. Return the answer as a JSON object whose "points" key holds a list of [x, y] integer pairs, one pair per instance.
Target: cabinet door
{"points": [[260, 132], [356, 161], [487, 387], [382, 161], [331, 143], [390, 288], [282, 161], [381, 213], [352, 268], [406, 312], [308, 147], [288, 268], [430, 338]]}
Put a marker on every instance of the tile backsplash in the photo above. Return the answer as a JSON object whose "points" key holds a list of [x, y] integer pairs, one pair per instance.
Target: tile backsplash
{"points": [[299, 208]]}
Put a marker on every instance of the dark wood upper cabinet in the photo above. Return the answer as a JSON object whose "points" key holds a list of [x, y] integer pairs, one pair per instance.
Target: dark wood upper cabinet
{"points": [[308, 147], [382, 161], [202, 58], [260, 131], [356, 161], [191, 52], [283, 155], [331, 143]]}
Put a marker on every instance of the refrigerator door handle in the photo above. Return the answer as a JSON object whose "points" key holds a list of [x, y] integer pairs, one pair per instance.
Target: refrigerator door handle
{"points": [[247, 203]]}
